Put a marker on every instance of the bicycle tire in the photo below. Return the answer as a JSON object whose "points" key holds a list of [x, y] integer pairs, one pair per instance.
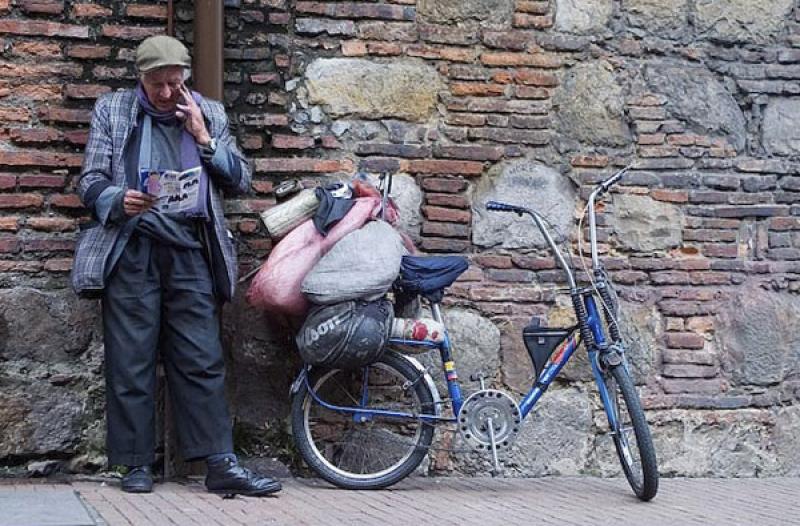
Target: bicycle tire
{"points": [[322, 457], [642, 475]]}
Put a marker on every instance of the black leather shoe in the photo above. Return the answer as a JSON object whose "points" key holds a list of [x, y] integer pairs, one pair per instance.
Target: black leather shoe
{"points": [[227, 477], [139, 479]]}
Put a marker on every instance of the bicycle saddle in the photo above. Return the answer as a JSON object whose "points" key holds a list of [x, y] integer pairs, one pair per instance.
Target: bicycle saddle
{"points": [[429, 275]]}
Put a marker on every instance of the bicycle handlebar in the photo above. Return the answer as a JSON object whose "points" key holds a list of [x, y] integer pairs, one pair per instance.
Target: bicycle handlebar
{"points": [[497, 206]]}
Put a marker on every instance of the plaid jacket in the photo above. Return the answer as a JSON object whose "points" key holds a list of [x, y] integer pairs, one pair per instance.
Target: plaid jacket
{"points": [[114, 119]]}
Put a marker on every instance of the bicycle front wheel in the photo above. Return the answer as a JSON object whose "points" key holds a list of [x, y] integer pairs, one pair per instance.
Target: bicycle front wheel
{"points": [[631, 433], [364, 453]]}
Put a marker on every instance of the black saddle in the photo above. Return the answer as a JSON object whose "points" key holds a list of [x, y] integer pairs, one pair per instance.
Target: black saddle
{"points": [[430, 275]]}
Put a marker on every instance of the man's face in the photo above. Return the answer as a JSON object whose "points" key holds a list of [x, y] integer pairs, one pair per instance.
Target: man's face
{"points": [[162, 87]]}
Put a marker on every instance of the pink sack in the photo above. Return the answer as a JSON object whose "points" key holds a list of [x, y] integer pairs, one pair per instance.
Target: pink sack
{"points": [[276, 287]]}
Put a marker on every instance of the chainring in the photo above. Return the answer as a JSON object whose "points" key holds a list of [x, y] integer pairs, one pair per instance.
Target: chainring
{"points": [[474, 415]]}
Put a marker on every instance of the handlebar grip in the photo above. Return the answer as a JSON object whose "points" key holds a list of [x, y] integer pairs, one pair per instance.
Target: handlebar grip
{"points": [[497, 206]]}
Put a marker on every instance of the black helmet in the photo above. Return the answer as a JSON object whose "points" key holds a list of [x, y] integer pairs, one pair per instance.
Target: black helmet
{"points": [[346, 335]]}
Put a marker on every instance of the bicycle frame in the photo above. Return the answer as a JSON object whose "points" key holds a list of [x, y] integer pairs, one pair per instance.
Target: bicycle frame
{"points": [[589, 331]]}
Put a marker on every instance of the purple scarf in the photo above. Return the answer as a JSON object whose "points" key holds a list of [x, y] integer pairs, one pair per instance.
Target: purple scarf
{"points": [[190, 157]]}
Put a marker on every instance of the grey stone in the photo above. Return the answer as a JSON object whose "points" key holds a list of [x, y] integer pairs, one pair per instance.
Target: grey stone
{"points": [[643, 224], [38, 419], [476, 348], [695, 96], [742, 20], [262, 352], [316, 26], [404, 89], [45, 326], [787, 439], [758, 335], [664, 18], [496, 12], [712, 443], [582, 16], [556, 438], [407, 195], [780, 132], [527, 183], [589, 108]]}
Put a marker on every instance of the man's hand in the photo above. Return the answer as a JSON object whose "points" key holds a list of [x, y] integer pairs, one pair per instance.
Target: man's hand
{"points": [[189, 112], [135, 202]]}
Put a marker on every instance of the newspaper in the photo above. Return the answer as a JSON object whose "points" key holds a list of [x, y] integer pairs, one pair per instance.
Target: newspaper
{"points": [[176, 191]]}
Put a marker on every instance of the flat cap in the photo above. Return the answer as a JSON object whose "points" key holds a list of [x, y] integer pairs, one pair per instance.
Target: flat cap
{"points": [[160, 51]]}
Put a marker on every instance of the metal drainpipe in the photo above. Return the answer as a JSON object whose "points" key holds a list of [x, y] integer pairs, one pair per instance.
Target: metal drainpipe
{"points": [[209, 18]]}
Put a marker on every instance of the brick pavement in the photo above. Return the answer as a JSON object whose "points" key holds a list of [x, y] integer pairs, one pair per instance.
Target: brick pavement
{"points": [[477, 501]]}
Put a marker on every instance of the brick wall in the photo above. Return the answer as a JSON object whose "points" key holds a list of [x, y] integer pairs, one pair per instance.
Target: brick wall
{"points": [[719, 157]]}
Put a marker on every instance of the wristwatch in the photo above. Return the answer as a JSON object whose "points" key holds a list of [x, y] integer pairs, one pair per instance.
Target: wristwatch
{"points": [[212, 144]]}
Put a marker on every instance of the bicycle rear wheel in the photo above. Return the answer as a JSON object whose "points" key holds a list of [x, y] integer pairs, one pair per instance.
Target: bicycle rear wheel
{"points": [[375, 453], [631, 434]]}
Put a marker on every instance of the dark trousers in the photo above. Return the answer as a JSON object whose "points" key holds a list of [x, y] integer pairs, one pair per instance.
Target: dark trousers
{"points": [[161, 297]]}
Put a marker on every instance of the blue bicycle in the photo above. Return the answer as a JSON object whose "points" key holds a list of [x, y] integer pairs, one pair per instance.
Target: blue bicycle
{"points": [[371, 427]]}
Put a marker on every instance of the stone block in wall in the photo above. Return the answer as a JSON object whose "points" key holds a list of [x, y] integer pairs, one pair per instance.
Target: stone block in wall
{"points": [[694, 96], [525, 183], [495, 12], [588, 107], [779, 130], [403, 89], [582, 16], [758, 335], [643, 224], [662, 18], [741, 20]]}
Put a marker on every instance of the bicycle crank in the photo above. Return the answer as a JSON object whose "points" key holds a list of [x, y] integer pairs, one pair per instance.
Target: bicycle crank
{"points": [[489, 421]]}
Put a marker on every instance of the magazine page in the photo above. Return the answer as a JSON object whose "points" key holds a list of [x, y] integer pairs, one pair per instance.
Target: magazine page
{"points": [[176, 191]]}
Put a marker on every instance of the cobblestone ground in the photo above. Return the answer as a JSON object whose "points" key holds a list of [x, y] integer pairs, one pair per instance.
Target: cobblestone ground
{"points": [[481, 501]]}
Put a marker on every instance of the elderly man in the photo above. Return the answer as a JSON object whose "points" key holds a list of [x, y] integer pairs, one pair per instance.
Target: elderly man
{"points": [[163, 270]]}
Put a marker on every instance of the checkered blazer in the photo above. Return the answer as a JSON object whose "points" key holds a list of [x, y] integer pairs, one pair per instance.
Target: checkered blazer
{"points": [[114, 119]]}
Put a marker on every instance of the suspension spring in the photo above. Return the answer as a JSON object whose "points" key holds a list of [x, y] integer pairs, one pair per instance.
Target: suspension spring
{"points": [[609, 314], [583, 319]]}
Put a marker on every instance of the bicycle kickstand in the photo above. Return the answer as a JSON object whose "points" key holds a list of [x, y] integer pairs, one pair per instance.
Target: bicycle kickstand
{"points": [[496, 470]]}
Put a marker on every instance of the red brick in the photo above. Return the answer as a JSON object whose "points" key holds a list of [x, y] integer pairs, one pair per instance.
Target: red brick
{"points": [[292, 142], [43, 29], [77, 137], [65, 201], [20, 266], [452, 186], [465, 119], [248, 226], [356, 10], [35, 135], [494, 261], [51, 224], [670, 196], [8, 181], [90, 10], [476, 88], [38, 91], [444, 167], [42, 181], [49, 245], [689, 371], [130, 32], [14, 114], [526, 21], [589, 161], [252, 142], [9, 245], [281, 19], [431, 228], [651, 138], [5, 6], [85, 91], [54, 114], [9, 223], [49, 7], [435, 213], [51, 69], [39, 159], [304, 165], [531, 92], [58, 265], [88, 52], [448, 200], [39, 49], [158, 12], [435, 244], [265, 78], [540, 7], [385, 49], [539, 60], [684, 340], [354, 48], [471, 152], [263, 187], [21, 200]]}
